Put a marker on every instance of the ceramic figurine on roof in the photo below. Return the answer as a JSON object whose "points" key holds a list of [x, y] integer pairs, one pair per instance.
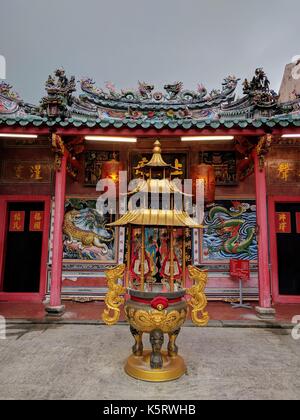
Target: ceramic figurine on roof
{"points": [[156, 275], [173, 90], [10, 101], [258, 100], [59, 95], [259, 89], [145, 90], [7, 91]]}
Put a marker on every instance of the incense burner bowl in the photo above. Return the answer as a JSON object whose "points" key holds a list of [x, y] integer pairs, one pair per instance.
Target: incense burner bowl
{"points": [[149, 311]]}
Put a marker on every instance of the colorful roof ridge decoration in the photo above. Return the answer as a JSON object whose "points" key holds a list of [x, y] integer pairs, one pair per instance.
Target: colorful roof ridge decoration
{"points": [[146, 107]]}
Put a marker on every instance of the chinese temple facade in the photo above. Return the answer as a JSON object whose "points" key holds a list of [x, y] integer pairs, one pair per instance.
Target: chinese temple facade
{"points": [[55, 245]]}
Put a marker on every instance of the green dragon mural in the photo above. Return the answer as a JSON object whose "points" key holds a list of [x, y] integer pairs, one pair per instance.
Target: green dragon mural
{"points": [[230, 232]]}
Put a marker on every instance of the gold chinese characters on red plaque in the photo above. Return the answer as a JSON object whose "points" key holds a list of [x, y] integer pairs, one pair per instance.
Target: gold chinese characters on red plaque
{"points": [[283, 222], [16, 221], [36, 221]]}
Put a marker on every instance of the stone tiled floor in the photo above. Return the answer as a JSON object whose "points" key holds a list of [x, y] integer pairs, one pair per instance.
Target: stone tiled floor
{"points": [[86, 362]]}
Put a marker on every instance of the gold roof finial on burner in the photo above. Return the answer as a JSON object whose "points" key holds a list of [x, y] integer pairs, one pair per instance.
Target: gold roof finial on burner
{"points": [[157, 160], [157, 148]]}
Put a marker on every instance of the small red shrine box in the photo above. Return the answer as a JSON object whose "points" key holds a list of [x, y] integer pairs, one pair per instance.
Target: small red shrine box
{"points": [[240, 269]]}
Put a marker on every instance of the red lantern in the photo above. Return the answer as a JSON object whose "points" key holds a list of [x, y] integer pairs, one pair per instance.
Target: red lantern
{"points": [[207, 174], [110, 170]]}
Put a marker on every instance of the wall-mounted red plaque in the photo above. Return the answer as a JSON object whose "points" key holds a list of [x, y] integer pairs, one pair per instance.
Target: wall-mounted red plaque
{"points": [[283, 222], [16, 221], [36, 221]]}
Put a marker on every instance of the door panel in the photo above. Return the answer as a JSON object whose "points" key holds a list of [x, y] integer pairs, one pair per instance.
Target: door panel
{"points": [[22, 262], [288, 253]]}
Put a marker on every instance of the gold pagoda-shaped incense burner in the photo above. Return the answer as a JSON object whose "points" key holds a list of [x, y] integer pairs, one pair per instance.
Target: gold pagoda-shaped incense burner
{"points": [[156, 293]]}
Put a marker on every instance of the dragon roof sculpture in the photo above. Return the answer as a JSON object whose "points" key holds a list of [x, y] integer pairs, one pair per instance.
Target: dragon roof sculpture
{"points": [[146, 106], [145, 97]]}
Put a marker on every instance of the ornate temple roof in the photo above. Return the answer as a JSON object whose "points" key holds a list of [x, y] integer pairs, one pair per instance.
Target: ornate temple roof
{"points": [[147, 107]]}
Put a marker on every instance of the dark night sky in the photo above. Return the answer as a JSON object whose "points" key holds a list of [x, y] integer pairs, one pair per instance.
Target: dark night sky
{"points": [[156, 41]]}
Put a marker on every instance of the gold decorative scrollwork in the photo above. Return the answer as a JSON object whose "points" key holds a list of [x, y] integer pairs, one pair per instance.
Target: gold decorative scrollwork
{"points": [[58, 147], [198, 300], [147, 321], [263, 148], [113, 299]]}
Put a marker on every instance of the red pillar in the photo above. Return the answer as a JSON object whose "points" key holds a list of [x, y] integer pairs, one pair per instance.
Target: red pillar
{"points": [[264, 283], [55, 307]]}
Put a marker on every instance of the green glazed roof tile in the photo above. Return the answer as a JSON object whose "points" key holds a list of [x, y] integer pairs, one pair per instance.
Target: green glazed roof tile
{"points": [[146, 124], [132, 124], [187, 124], [159, 125], [64, 123], [215, 124], [118, 124], [104, 124], [200, 124], [10, 121], [229, 124], [173, 124], [257, 123], [270, 123], [37, 123], [284, 123]]}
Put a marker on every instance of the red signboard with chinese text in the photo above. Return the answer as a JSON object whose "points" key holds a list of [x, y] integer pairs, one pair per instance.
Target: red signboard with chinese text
{"points": [[36, 221], [298, 222], [240, 269], [283, 222], [17, 221]]}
